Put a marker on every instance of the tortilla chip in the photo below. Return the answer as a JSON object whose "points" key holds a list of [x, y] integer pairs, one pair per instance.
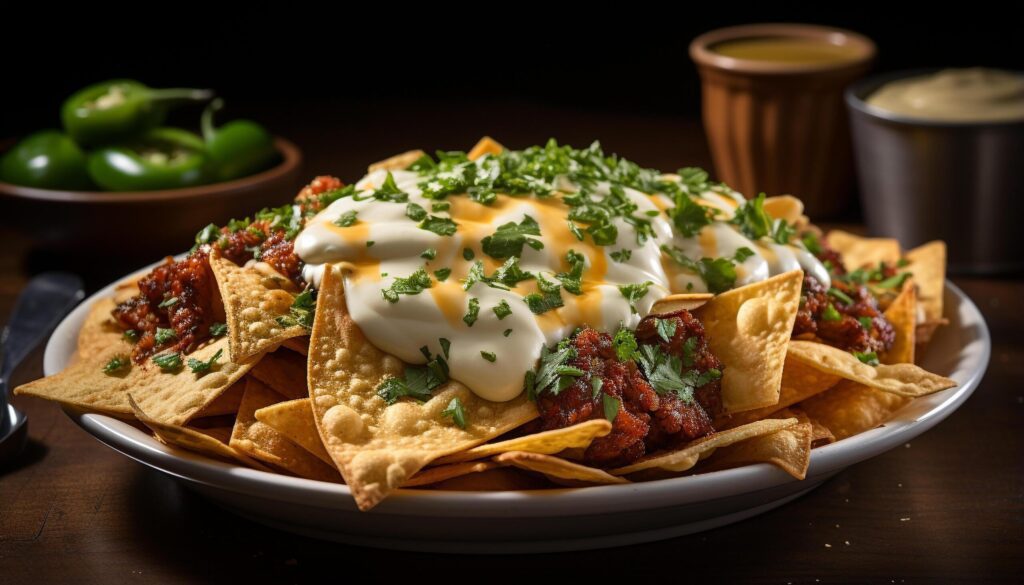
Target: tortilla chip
{"points": [[748, 328], [192, 440], [297, 344], [100, 332], [784, 207], [485, 145], [285, 372], [252, 305], [379, 447], [788, 449], [221, 434], [799, 382], [558, 469], [398, 162], [548, 442], [172, 397], [688, 456], [859, 252], [679, 302], [820, 435], [851, 408], [903, 379], [294, 419], [902, 314], [262, 442], [227, 403], [928, 264], [445, 472]]}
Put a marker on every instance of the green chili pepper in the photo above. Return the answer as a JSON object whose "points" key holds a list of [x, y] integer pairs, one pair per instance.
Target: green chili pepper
{"points": [[238, 148], [48, 159], [121, 109], [165, 158]]}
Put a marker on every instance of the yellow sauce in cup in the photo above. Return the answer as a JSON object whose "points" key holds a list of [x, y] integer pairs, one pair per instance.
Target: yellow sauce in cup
{"points": [[781, 49], [955, 95]]}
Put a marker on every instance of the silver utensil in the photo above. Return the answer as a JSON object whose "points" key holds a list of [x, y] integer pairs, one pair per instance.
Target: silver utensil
{"points": [[40, 306]]}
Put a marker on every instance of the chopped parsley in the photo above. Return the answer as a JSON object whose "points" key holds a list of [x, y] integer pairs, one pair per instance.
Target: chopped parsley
{"points": [[510, 274], [441, 226], [415, 212], [502, 310], [208, 234], [666, 375], [718, 274], [755, 223], [119, 364], [467, 254], [689, 217], [634, 292], [414, 284], [870, 358], [666, 329], [438, 206], [168, 362], [200, 367], [625, 345], [418, 383], [510, 237], [218, 329], [455, 412], [347, 219], [473, 312], [547, 299], [389, 191], [489, 356], [572, 280], [622, 255], [429, 253], [445, 346], [163, 335], [507, 332], [442, 274], [553, 374], [130, 335], [611, 406], [168, 303], [370, 243], [596, 383], [810, 241], [301, 312]]}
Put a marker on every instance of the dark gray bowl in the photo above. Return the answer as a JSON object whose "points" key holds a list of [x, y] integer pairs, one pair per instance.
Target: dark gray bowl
{"points": [[921, 180]]}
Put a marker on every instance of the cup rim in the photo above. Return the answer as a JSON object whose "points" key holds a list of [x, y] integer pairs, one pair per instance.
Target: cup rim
{"points": [[855, 95], [702, 54]]}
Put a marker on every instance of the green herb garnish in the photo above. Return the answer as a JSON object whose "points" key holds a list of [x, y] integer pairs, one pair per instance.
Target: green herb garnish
{"points": [[200, 367], [455, 412]]}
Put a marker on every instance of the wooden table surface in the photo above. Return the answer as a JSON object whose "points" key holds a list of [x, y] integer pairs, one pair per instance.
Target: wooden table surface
{"points": [[948, 507]]}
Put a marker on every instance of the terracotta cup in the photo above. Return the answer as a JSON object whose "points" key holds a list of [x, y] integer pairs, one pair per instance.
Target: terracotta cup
{"points": [[780, 127]]}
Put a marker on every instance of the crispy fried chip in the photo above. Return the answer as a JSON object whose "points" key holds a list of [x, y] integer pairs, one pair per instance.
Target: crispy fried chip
{"points": [[679, 302], [548, 442], [379, 447], [788, 449], [192, 439], [859, 252], [262, 442], [285, 372], [441, 473], [294, 419], [928, 265], [227, 403], [902, 314], [297, 344], [785, 207], [852, 408], [558, 469], [397, 162], [688, 456], [748, 328], [903, 379], [100, 332], [485, 145], [173, 397], [252, 305], [799, 382]]}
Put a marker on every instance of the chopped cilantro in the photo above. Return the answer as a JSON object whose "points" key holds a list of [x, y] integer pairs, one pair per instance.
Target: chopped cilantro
{"points": [[688, 216], [130, 335], [467, 254], [572, 280], [611, 406], [163, 335], [502, 310], [200, 367], [547, 299], [510, 274], [370, 243], [415, 212], [488, 355], [455, 412], [441, 226], [301, 312], [414, 284], [666, 375], [119, 364], [508, 240], [442, 274], [389, 191], [810, 241], [168, 303], [208, 234], [666, 329], [507, 332], [634, 292], [625, 345], [622, 255], [719, 274], [346, 219], [445, 346], [218, 329], [472, 312], [168, 362], [870, 358], [596, 383], [552, 375], [438, 206], [429, 253]]}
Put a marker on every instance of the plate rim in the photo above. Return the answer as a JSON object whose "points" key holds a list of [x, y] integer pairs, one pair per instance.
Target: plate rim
{"points": [[827, 460]]}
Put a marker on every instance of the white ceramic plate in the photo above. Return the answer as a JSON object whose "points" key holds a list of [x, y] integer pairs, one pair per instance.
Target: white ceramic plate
{"points": [[542, 520]]}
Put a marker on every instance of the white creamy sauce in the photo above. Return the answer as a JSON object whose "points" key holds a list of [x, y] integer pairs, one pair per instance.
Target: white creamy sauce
{"points": [[402, 328]]}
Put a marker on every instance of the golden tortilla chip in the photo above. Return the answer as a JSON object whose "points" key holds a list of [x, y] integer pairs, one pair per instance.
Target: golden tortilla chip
{"points": [[851, 408], [100, 332], [297, 344], [820, 435], [688, 456], [398, 162], [441, 473], [902, 314], [788, 449], [379, 447], [285, 372], [578, 436], [294, 419], [558, 469], [262, 442], [748, 328], [173, 397], [903, 379], [928, 265], [859, 252], [192, 440], [227, 403], [799, 382], [785, 207], [252, 305], [679, 302], [485, 145]]}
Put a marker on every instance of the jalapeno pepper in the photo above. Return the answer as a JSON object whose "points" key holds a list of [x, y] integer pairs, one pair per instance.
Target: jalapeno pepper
{"points": [[165, 158], [238, 148], [48, 159], [120, 109]]}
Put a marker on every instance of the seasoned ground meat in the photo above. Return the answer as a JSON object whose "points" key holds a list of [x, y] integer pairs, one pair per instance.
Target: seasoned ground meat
{"points": [[647, 420], [845, 332]]}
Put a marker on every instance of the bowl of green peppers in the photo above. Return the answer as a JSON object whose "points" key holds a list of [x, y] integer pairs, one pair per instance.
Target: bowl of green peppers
{"points": [[115, 167]]}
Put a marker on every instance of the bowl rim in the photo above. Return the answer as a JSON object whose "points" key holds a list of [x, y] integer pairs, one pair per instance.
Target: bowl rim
{"points": [[855, 97], [291, 160], [703, 56]]}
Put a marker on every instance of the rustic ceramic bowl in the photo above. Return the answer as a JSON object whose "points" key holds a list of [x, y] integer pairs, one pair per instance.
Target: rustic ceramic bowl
{"points": [[781, 127]]}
